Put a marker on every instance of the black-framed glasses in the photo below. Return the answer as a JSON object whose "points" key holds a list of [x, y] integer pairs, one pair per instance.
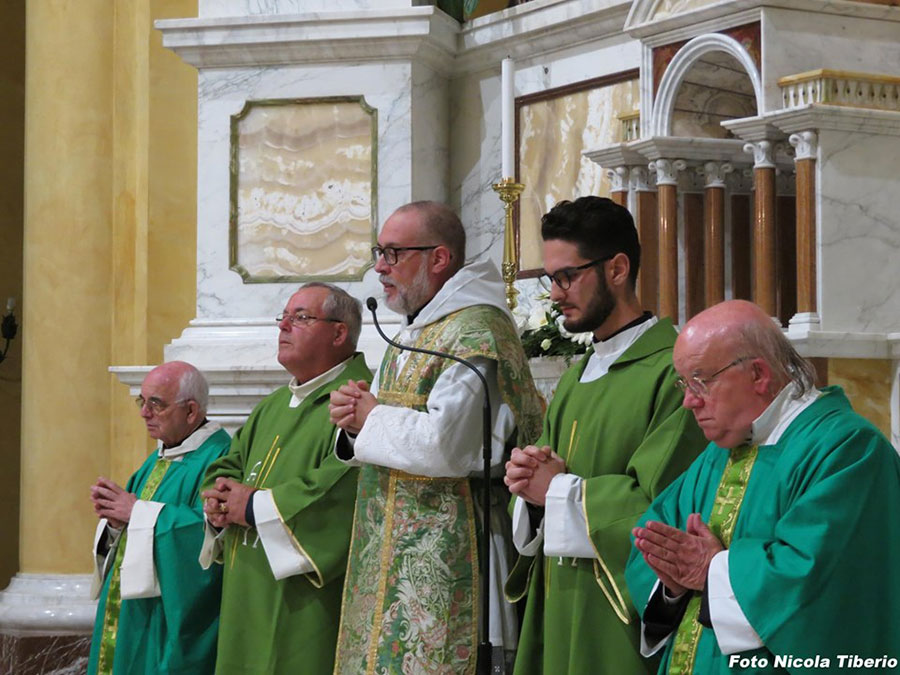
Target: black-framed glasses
{"points": [[156, 405], [301, 319], [564, 277], [699, 386], [390, 252]]}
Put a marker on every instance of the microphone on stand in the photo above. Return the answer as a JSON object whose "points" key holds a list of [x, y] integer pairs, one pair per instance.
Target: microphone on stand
{"points": [[485, 649]]}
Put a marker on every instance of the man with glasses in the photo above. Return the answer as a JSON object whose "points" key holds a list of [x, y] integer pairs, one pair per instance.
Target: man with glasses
{"points": [[614, 437], [158, 611], [777, 550], [411, 601], [279, 505]]}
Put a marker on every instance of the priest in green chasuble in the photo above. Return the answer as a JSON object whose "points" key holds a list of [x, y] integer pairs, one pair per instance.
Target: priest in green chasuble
{"points": [[279, 505], [615, 435], [158, 611], [778, 550], [411, 600]]}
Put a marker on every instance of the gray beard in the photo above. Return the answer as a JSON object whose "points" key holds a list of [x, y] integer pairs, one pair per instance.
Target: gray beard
{"points": [[412, 298]]}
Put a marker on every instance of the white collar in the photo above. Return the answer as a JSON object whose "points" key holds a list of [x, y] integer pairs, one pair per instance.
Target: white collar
{"points": [[619, 342], [299, 392], [189, 444], [777, 417]]}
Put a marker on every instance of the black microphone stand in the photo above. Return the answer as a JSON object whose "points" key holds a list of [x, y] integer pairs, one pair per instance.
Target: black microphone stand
{"points": [[485, 649]]}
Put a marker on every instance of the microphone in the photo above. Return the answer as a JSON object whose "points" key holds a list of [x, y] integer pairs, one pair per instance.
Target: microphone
{"points": [[485, 649]]}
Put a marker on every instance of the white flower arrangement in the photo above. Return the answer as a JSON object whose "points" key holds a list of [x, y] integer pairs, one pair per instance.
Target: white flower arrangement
{"points": [[543, 334]]}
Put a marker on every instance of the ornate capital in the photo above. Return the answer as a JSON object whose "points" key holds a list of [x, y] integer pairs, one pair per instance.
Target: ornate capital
{"points": [[640, 179], [667, 170], [618, 179], [763, 154], [806, 143], [715, 173]]}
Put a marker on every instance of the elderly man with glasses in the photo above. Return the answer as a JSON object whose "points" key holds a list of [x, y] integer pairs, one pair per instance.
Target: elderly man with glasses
{"points": [[158, 610], [777, 550], [614, 437], [411, 600], [279, 505]]}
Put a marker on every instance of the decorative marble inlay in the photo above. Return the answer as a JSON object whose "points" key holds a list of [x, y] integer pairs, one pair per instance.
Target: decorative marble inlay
{"points": [[303, 183], [837, 87], [44, 655], [553, 133]]}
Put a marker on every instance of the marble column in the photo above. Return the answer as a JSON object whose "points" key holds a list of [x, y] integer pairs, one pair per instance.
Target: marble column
{"points": [[647, 223], [806, 146], [714, 230], [618, 185], [764, 276], [667, 194], [67, 312]]}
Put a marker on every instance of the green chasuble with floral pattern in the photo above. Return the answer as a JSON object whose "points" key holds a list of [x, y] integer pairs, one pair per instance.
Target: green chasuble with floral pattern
{"points": [[272, 626], [411, 597], [814, 552], [174, 633], [627, 435]]}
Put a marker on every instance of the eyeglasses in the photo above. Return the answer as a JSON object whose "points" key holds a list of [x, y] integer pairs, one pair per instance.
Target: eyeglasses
{"points": [[390, 252], [699, 386], [564, 277], [300, 319], [156, 405]]}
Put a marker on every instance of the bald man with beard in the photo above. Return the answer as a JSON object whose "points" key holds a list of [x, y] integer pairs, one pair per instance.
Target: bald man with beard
{"points": [[775, 551]]}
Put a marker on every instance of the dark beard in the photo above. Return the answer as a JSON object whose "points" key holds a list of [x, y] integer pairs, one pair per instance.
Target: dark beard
{"points": [[596, 313]]}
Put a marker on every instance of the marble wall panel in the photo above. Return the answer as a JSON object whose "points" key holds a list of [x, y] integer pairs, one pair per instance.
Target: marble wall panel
{"points": [[303, 187], [221, 293], [797, 42], [223, 8], [553, 133], [667, 8], [44, 654], [858, 232], [867, 383]]}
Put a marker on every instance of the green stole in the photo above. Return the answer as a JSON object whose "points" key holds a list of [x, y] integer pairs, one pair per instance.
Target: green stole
{"points": [[725, 510], [114, 596]]}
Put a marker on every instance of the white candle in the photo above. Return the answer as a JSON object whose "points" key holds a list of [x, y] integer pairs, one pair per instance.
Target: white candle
{"points": [[10, 304], [507, 118]]}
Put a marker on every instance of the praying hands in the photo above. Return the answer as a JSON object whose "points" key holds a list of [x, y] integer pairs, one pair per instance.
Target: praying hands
{"points": [[226, 503], [350, 406], [530, 470]]}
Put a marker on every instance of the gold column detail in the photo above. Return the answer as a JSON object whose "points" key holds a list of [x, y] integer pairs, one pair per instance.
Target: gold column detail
{"points": [[764, 281], [806, 147], [667, 195], [714, 231], [509, 190]]}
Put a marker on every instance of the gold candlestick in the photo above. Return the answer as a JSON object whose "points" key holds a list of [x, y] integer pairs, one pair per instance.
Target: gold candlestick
{"points": [[509, 190]]}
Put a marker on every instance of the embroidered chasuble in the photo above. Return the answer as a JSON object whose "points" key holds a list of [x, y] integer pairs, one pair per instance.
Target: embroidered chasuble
{"points": [[176, 631], [268, 625], [811, 549], [411, 597], [627, 435]]}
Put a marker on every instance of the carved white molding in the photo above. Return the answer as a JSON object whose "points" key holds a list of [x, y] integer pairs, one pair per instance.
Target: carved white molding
{"points": [[763, 154], [806, 144], [683, 61], [667, 170], [834, 87], [715, 173], [640, 179], [618, 179]]}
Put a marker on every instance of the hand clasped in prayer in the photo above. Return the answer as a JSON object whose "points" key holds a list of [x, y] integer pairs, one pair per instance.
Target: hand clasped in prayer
{"points": [[350, 406], [226, 503], [112, 502], [530, 470], [680, 559]]}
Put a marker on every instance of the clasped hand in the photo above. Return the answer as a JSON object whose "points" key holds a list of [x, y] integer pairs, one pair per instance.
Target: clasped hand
{"points": [[530, 470], [680, 558], [112, 502], [350, 405], [226, 503]]}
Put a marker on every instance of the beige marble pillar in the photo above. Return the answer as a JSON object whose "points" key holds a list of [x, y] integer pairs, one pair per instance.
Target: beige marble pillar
{"points": [[714, 230], [667, 196], [764, 275]]}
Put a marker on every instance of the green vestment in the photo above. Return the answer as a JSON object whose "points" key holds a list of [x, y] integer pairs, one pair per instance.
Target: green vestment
{"points": [[289, 625], [411, 597], [815, 549], [628, 437], [174, 633]]}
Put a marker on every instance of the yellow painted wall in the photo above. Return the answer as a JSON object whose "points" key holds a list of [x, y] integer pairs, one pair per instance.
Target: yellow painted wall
{"points": [[12, 121], [867, 383]]}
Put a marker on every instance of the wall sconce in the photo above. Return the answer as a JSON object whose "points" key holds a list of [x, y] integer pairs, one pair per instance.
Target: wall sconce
{"points": [[8, 326]]}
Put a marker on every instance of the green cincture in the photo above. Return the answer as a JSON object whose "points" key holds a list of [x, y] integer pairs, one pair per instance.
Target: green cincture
{"points": [[114, 597], [729, 496]]}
